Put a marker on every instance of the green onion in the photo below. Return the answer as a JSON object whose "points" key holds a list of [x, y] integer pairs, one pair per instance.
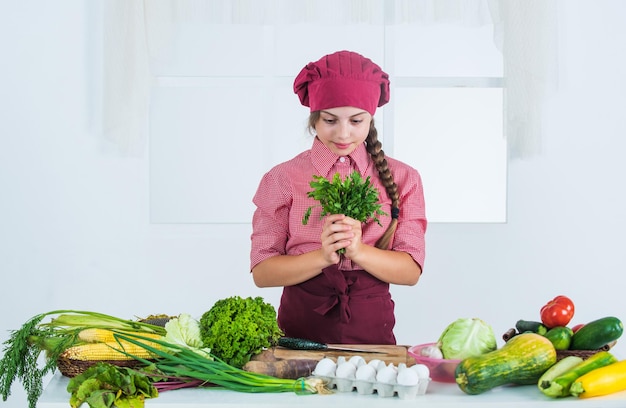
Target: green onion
{"points": [[180, 362]]}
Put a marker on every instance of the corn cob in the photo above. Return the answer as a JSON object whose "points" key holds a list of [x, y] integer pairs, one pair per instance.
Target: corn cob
{"points": [[107, 351], [105, 335]]}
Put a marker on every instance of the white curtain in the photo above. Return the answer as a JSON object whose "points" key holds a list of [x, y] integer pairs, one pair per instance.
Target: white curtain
{"points": [[524, 30]]}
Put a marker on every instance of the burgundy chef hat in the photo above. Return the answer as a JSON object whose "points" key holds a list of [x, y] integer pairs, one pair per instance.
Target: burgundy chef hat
{"points": [[343, 78]]}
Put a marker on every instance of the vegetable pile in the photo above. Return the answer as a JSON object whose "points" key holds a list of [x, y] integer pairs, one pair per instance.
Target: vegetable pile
{"points": [[354, 197], [561, 361], [163, 357]]}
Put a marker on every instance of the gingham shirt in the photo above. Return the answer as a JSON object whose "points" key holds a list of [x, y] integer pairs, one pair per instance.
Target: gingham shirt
{"points": [[281, 201]]}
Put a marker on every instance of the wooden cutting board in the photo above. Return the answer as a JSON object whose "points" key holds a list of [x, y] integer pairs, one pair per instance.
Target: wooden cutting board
{"points": [[386, 353]]}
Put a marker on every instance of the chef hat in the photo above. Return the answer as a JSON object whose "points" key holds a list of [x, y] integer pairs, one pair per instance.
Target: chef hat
{"points": [[343, 78]]}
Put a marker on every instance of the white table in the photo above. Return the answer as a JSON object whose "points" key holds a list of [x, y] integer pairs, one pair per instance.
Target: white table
{"points": [[438, 395]]}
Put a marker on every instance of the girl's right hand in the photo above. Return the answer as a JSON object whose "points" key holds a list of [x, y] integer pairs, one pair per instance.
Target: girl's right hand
{"points": [[335, 235]]}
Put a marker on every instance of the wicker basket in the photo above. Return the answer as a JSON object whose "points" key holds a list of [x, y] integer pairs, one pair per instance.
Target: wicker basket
{"points": [[71, 368], [560, 354]]}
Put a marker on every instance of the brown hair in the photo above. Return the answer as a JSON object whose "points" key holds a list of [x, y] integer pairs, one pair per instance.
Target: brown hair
{"points": [[374, 148]]}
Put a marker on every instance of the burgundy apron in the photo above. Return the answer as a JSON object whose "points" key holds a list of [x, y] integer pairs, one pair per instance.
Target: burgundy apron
{"points": [[341, 307]]}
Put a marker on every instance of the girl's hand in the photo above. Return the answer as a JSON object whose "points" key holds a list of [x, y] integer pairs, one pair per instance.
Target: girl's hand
{"points": [[355, 243], [337, 233]]}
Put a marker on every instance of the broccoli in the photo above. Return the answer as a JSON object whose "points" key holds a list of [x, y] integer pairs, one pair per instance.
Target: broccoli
{"points": [[235, 328]]}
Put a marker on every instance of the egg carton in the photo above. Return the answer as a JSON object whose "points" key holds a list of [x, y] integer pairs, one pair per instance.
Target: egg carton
{"points": [[365, 387]]}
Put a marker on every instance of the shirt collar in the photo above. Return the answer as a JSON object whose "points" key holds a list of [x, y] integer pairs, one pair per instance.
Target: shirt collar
{"points": [[323, 159]]}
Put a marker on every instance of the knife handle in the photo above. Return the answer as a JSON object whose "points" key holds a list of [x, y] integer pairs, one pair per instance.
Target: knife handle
{"points": [[294, 343]]}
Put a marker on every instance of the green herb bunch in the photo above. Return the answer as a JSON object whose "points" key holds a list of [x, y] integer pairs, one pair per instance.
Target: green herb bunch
{"points": [[354, 197], [237, 328]]}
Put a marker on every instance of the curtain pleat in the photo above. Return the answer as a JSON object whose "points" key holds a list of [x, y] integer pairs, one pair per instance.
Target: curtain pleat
{"points": [[135, 30]]}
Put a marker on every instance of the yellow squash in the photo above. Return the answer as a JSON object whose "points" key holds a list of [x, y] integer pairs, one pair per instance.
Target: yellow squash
{"points": [[601, 381]]}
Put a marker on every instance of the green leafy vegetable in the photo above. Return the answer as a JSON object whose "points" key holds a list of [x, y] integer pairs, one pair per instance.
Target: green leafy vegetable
{"points": [[24, 346], [104, 385], [353, 196], [184, 330], [466, 337], [237, 328]]}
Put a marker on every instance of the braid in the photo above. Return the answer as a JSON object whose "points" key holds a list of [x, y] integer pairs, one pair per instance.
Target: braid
{"points": [[374, 148]]}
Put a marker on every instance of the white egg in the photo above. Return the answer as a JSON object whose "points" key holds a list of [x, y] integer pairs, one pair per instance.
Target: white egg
{"points": [[407, 377], [387, 374], [345, 370], [422, 371], [377, 364], [357, 361], [325, 367], [341, 360], [365, 372]]}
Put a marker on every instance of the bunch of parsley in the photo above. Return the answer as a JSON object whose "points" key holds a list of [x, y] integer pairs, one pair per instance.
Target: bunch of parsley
{"points": [[354, 197], [237, 328]]}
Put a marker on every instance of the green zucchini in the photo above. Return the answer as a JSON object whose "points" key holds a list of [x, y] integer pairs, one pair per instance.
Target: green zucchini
{"points": [[598, 333], [524, 326], [560, 386], [561, 367], [560, 336], [522, 360]]}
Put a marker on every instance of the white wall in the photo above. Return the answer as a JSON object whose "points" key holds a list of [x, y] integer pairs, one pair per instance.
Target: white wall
{"points": [[74, 222]]}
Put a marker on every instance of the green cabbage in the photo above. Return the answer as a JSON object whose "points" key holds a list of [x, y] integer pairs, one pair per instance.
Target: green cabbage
{"points": [[466, 337], [184, 331]]}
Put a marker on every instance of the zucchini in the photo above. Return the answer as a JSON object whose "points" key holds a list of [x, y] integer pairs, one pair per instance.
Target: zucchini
{"points": [[522, 360], [560, 336], [524, 326], [560, 386], [603, 381], [598, 333], [561, 367]]}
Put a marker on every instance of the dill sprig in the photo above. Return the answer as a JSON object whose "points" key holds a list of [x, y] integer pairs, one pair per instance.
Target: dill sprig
{"points": [[20, 359]]}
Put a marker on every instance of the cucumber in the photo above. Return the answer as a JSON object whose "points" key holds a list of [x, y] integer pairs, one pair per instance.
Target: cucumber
{"points": [[524, 326], [560, 336], [561, 367], [301, 344], [597, 334], [560, 386]]}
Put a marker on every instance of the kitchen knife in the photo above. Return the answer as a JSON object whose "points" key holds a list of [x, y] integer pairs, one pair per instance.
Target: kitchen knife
{"points": [[294, 343]]}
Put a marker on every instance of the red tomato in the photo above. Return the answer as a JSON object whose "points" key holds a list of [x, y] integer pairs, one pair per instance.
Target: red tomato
{"points": [[577, 327], [557, 312]]}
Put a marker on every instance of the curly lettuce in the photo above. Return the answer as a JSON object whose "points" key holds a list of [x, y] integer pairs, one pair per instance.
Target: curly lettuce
{"points": [[237, 328]]}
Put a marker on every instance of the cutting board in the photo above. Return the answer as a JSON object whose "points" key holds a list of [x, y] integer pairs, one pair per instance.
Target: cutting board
{"points": [[386, 353]]}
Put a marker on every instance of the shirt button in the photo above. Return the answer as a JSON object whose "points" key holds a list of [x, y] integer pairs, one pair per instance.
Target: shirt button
{"points": [[342, 159]]}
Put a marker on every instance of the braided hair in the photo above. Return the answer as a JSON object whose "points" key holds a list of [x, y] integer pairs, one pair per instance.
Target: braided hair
{"points": [[374, 148]]}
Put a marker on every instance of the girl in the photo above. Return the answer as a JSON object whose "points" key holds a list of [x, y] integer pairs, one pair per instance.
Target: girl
{"points": [[327, 297]]}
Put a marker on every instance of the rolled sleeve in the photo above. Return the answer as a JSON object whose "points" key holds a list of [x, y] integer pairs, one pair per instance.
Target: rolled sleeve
{"points": [[270, 222]]}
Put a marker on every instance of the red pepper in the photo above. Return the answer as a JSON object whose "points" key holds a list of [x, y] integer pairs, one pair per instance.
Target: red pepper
{"points": [[577, 327], [557, 312]]}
